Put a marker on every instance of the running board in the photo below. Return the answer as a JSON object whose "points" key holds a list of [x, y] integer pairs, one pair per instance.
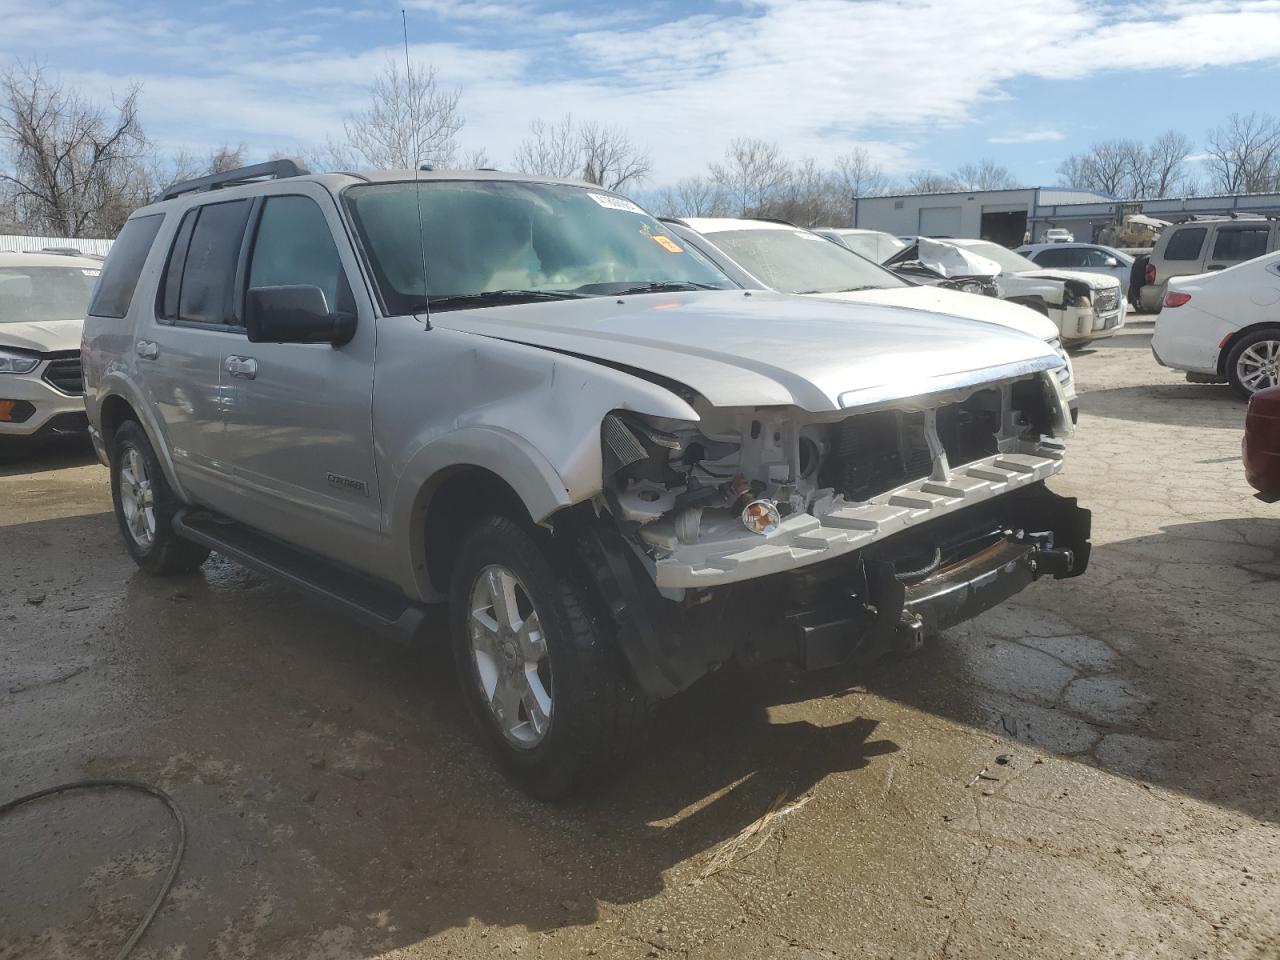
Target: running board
{"points": [[373, 602]]}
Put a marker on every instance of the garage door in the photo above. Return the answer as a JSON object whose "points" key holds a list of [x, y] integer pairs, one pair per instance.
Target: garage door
{"points": [[940, 222]]}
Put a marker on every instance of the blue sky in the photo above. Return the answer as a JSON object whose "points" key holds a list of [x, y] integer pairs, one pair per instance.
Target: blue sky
{"points": [[919, 83]]}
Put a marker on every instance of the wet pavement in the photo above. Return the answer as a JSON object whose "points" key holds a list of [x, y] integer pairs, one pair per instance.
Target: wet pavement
{"points": [[1092, 770]]}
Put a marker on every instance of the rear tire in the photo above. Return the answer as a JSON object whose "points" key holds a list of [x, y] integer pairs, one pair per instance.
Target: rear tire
{"points": [[1253, 363], [539, 667], [144, 506]]}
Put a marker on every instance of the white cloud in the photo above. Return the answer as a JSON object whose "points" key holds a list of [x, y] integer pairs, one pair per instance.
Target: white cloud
{"points": [[817, 75], [1028, 136]]}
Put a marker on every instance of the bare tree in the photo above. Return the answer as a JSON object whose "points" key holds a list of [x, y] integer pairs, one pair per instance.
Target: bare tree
{"points": [[550, 149], [74, 170], [1167, 158], [226, 158], [411, 119], [1108, 166], [986, 174], [927, 181], [858, 174], [609, 158], [477, 159], [752, 174], [690, 197], [1244, 154]]}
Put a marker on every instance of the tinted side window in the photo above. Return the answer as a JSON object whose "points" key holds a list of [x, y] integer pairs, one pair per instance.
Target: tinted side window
{"points": [[209, 273], [124, 264], [171, 284], [1240, 243], [294, 247], [1094, 257], [1185, 244], [1056, 258]]}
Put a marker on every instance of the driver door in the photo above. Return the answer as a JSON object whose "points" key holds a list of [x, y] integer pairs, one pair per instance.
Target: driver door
{"points": [[298, 416]]}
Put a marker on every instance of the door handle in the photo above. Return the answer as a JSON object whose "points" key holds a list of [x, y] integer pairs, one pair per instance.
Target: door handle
{"points": [[146, 349], [246, 368]]}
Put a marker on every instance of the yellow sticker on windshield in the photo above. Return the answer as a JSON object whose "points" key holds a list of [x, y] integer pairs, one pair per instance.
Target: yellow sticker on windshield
{"points": [[666, 243]]}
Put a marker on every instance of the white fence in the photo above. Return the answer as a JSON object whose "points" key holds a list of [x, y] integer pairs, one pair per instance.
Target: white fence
{"points": [[15, 244]]}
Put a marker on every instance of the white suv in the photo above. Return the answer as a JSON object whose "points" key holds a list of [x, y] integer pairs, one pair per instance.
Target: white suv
{"points": [[43, 302]]}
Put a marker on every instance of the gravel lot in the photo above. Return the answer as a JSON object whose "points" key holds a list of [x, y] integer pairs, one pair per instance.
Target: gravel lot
{"points": [[1127, 725]]}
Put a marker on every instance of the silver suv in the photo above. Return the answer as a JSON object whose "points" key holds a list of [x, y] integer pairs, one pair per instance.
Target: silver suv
{"points": [[1202, 246], [525, 397]]}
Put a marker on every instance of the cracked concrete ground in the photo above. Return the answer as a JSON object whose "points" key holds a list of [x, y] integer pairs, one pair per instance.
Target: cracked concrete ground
{"points": [[1090, 771]]}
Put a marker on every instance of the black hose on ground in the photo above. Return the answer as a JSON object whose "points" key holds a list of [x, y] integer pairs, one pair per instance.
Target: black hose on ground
{"points": [[180, 845]]}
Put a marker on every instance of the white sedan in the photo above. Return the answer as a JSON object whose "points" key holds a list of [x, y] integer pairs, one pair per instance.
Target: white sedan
{"points": [[1224, 327]]}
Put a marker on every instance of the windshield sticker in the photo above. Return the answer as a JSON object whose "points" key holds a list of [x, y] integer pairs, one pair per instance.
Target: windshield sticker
{"points": [[91, 273], [666, 243], [614, 203], [808, 236]]}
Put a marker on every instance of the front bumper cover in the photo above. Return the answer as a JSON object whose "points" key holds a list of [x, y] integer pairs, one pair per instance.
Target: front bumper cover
{"points": [[836, 611]]}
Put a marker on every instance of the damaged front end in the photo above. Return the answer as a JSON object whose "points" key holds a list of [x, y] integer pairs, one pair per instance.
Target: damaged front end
{"points": [[774, 533]]}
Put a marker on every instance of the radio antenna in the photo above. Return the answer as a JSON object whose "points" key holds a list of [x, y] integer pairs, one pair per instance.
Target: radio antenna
{"points": [[417, 165]]}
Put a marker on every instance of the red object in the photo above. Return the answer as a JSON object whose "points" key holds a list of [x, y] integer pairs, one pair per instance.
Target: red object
{"points": [[1262, 442], [1151, 273], [1172, 299]]}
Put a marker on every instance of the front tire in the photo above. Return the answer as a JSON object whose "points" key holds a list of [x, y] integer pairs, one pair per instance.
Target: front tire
{"points": [[539, 668], [1254, 362], [144, 506]]}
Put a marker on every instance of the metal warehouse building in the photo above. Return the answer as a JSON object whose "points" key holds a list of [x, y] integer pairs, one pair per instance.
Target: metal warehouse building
{"points": [[10, 243], [1010, 216]]}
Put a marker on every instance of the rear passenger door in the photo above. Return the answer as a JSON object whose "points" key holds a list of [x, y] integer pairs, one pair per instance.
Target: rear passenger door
{"points": [[179, 358], [298, 416], [1236, 243]]}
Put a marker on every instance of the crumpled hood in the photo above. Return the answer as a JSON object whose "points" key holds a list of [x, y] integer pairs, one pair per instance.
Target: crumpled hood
{"points": [[956, 303], [43, 335], [766, 349], [1095, 281]]}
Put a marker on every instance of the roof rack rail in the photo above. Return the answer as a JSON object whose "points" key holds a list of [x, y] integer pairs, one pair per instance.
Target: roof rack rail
{"points": [[785, 223], [271, 170]]}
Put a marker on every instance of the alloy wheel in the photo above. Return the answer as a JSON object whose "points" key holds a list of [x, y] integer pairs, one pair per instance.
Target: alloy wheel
{"points": [[137, 498], [1259, 366], [509, 649]]}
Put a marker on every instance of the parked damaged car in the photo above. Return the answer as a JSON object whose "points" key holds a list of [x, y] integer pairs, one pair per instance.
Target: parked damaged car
{"points": [[622, 471], [1083, 306]]}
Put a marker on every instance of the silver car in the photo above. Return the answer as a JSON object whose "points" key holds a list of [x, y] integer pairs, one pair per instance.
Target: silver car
{"points": [[526, 398]]}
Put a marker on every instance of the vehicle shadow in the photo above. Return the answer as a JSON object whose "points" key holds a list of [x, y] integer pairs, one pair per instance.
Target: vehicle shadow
{"points": [[16, 459], [1170, 404]]}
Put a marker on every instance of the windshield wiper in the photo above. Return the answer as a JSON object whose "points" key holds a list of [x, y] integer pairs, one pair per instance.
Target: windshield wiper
{"points": [[489, 297], [666, 286]]}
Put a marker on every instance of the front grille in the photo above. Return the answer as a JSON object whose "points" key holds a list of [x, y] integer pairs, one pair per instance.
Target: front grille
{"points": [[1106, 301], [65, 375], [875, 452]]}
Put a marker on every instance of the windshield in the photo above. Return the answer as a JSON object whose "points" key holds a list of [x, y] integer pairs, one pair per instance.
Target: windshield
{"points": [[45, 293], [1008, 260], [796, 261], [874, 246], [515, 239]]}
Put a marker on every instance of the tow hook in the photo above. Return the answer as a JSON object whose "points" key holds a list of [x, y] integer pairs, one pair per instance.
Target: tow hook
{"points": [[909, 636], [1051, 561]]}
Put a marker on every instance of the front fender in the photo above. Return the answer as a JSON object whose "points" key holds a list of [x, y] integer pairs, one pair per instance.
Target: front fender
{"points": [[501, 452]]}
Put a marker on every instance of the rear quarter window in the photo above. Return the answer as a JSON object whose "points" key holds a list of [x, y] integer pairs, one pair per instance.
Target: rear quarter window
{"points": [[1185, 244], [1241, 243], [124, 265]]}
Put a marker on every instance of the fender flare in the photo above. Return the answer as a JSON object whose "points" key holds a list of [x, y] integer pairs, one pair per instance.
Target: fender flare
{"points": [[504, 454], [114, 385]]}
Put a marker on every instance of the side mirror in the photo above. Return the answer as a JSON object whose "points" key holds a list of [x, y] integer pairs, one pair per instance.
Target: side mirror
{"points": [[1111, 262], [294, 314]]}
